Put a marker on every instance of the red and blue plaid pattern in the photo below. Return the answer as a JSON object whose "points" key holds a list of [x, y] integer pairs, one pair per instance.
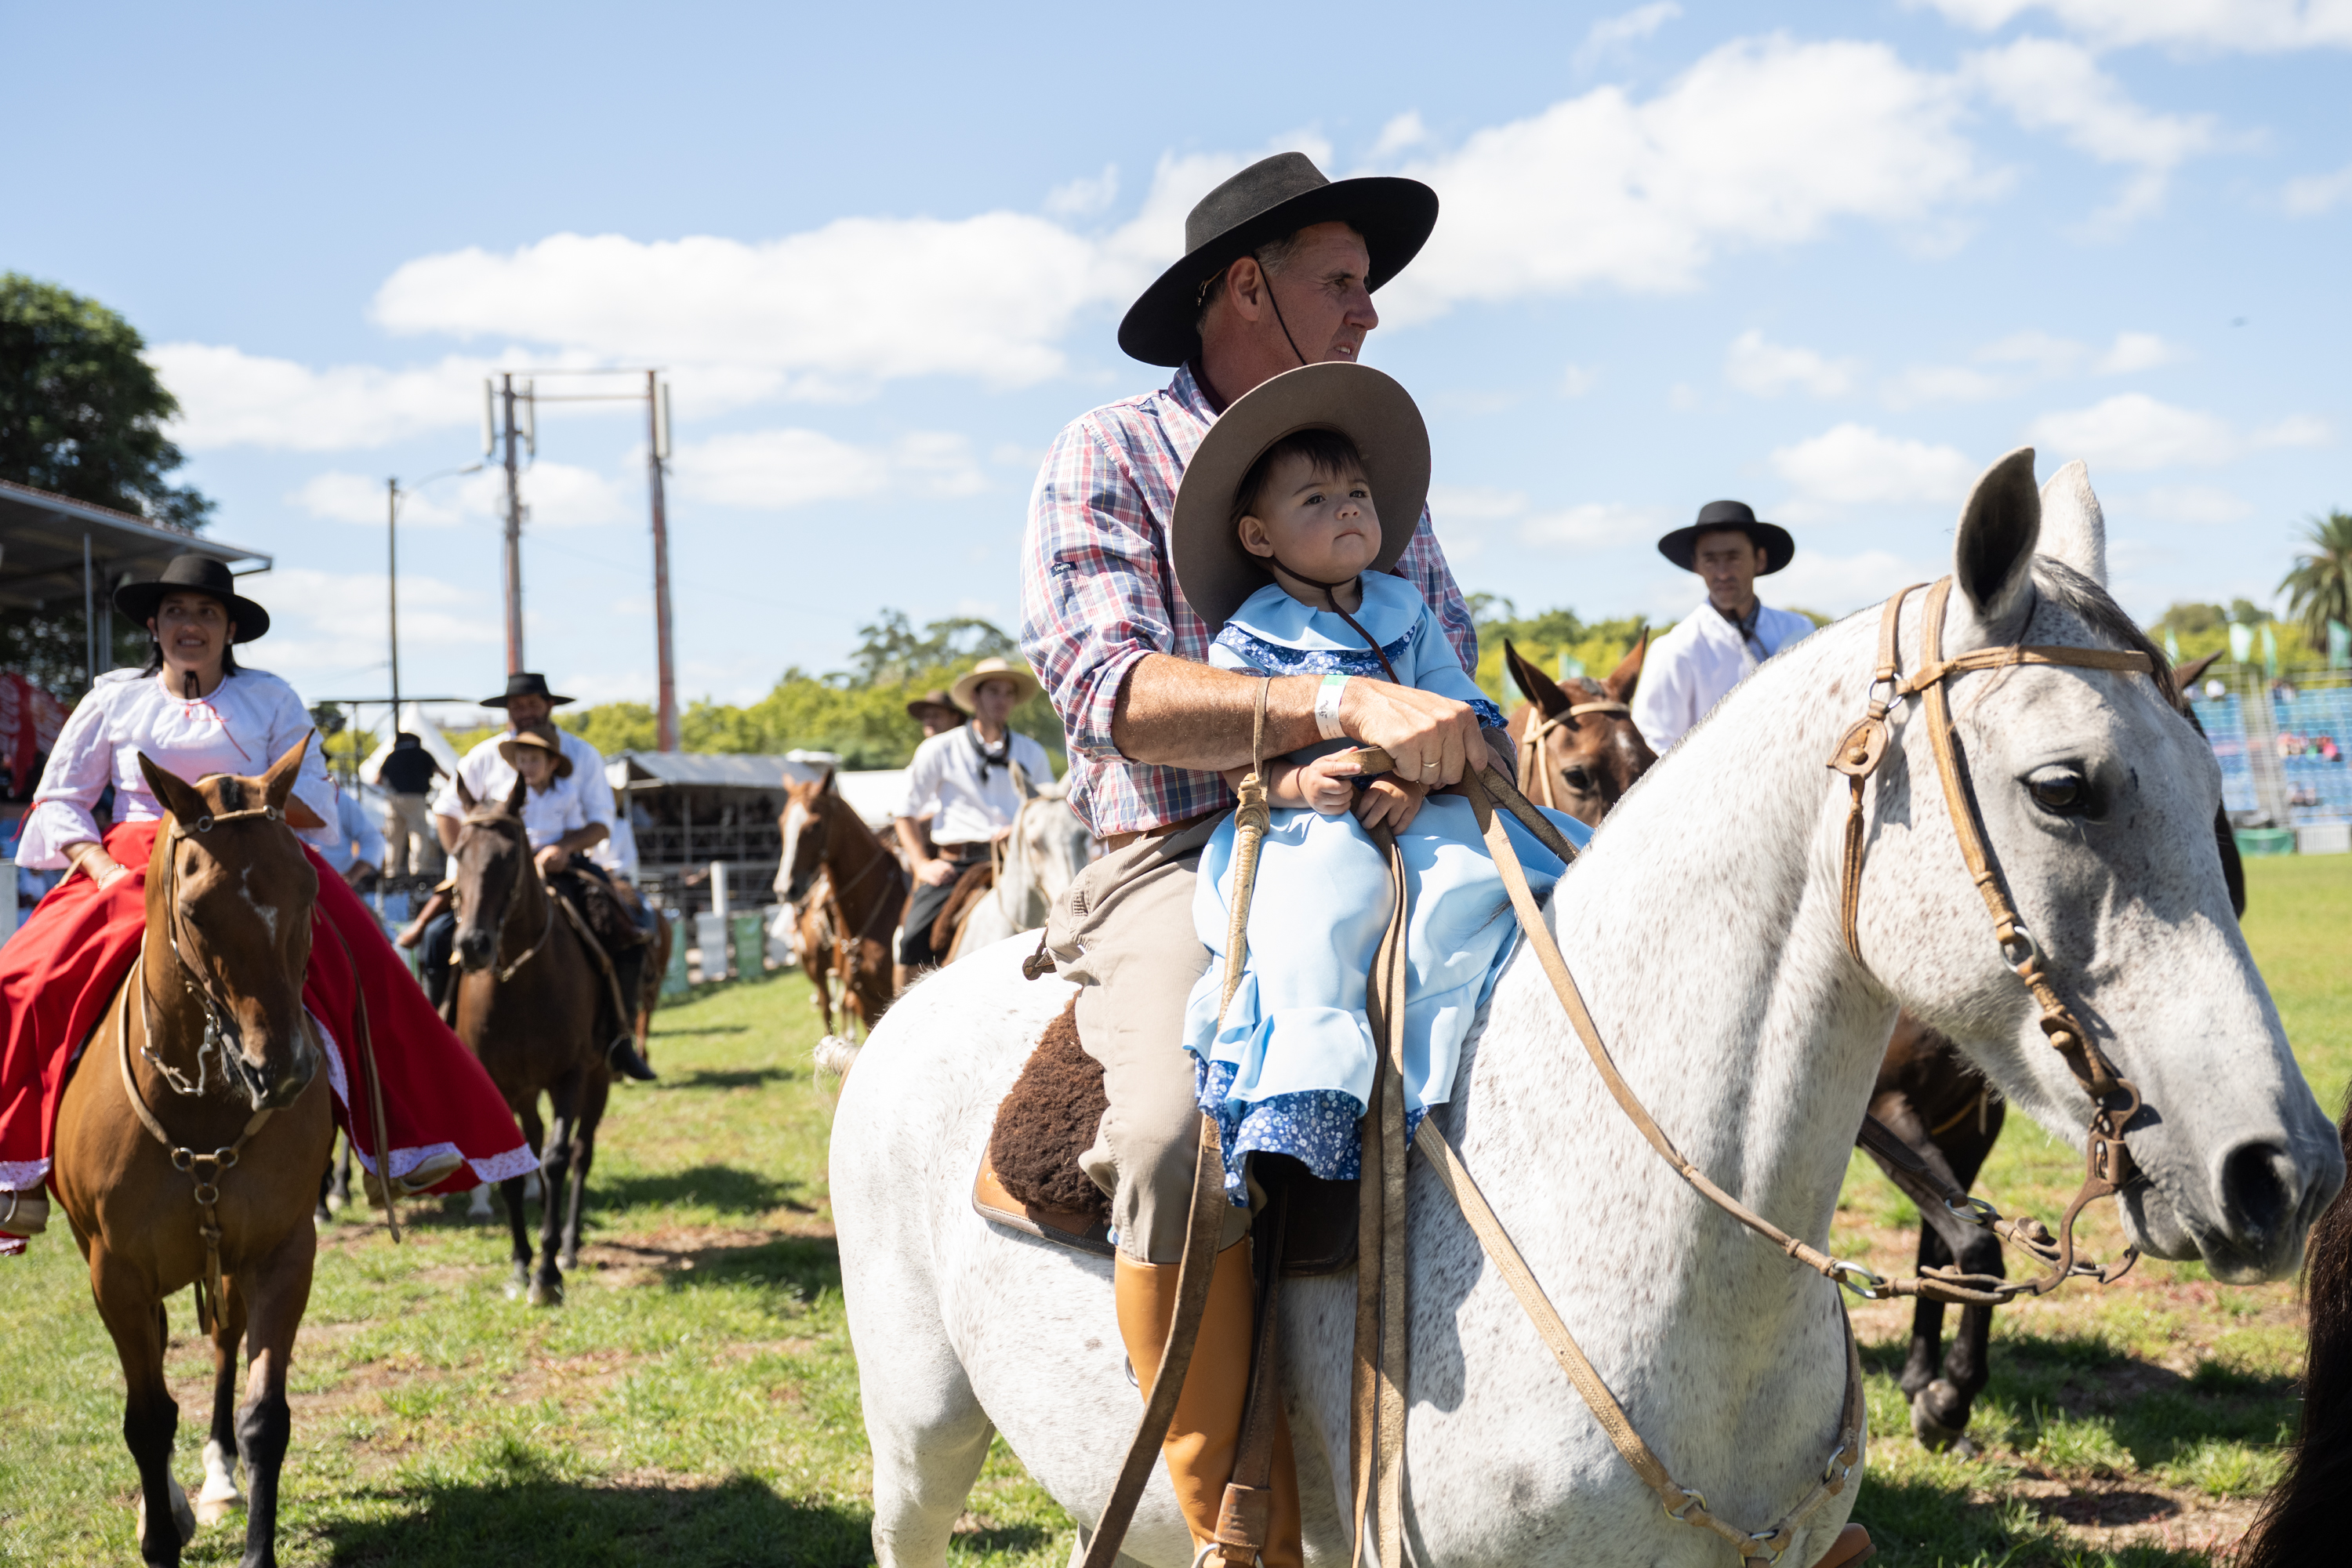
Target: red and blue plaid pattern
{"points": [[1098, 593]]}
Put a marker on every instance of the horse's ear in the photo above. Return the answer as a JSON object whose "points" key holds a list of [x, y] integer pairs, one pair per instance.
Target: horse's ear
{"points": [[177, 794], [1992, 556], [278, 784], [1628, 674], [826, 785], [1537, 687], [2074, 530], [515, 796], [465, 796], [2188, 674], [1020, 785]]}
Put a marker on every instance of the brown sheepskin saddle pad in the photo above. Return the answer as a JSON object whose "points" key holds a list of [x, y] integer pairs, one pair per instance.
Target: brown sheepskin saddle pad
{"points": [[1029, 1177]]}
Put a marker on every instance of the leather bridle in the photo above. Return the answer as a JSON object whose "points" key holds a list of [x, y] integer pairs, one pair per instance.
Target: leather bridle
{"points": [[1531, 744]]}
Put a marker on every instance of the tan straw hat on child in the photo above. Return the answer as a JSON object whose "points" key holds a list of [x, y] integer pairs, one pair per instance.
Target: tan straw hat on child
{"points": [[1369, 407], [538, 738]]}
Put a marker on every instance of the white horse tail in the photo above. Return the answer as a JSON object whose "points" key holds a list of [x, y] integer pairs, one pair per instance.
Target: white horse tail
{"points": [[836, 1055]]}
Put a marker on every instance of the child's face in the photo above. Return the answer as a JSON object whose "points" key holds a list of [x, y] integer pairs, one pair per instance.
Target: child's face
{"points": [[537, 768], [1317, 524]]}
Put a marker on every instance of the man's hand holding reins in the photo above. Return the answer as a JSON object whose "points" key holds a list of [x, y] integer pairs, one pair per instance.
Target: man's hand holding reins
{"points": [[1433, 740]]}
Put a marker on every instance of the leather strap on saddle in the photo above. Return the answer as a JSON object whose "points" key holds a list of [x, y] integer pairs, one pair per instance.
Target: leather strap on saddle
{"points": [[1245, 1518], [621, 1009]]}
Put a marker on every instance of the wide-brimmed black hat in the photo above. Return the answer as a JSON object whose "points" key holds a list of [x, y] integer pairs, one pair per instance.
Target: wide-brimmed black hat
{"points": [[194, 574], [525, 683], [1215, 573], [1273, 199], [1681, 546], [936, 697]]}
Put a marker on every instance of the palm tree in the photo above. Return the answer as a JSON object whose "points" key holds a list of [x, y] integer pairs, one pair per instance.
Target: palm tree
{"points": [[2319, 589]]}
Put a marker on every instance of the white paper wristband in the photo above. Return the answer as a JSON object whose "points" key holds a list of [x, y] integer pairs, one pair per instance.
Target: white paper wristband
{"points": [[1327, 707]]}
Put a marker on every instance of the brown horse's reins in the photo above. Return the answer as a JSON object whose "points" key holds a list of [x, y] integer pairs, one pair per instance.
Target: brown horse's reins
{"points": [[1531, 744]]}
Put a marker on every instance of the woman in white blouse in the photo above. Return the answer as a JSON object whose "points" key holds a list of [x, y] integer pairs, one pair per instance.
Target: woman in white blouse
{"points": [[194, 710]]}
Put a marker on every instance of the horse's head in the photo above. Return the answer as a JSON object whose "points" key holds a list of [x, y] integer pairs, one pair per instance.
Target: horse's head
{"points": [[231, 892], [1592, 751], [1048, 849], [2099, 801], [805, 827], [488, 865]]}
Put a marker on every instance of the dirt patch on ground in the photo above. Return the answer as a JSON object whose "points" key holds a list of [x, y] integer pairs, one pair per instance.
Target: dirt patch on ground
{"points": [[2109, 1516]]}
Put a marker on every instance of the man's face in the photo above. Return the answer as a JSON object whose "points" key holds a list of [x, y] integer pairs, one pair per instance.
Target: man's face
{"points": [[992, 701], [1322, 293], [939, 721], [1728, 561], [524, 712]]}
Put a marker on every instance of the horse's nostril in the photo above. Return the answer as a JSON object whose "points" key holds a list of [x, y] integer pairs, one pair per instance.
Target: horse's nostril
{"points": [[2260, 1189]]}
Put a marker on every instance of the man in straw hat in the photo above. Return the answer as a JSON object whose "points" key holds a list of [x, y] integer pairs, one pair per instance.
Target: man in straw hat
{"points": [[1718, 645], [487, 774], [962, 779], [1278, 271]]}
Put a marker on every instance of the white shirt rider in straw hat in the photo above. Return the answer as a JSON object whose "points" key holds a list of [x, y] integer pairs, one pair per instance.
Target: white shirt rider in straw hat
{"points": [[961, 778], [1716, 646]]}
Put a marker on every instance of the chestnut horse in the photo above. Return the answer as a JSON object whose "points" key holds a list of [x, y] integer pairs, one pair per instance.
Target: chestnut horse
{"points": [[528, 998], [1592, 750], [209, 1079], [851, 889]]}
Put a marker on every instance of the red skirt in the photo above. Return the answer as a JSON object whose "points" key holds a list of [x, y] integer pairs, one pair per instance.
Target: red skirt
{"points": [[63, 966]]}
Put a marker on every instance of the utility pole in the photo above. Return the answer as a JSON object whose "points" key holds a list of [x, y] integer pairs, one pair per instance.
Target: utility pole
{"points": [[514, 531], [391, 587], [657, 453]]}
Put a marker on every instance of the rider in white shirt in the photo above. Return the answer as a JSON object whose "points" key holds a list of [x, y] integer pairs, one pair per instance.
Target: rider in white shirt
{"points": [[1716, 646]]}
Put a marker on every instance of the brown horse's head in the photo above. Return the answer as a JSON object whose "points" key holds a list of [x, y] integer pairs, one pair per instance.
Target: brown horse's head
{"points": [[488, 865], [1590, 757], [230, 894], [807, 829]]}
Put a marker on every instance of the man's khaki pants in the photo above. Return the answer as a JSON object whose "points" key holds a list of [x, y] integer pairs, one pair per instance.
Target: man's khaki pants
{"points": [[1124, 930], [410, 845]]}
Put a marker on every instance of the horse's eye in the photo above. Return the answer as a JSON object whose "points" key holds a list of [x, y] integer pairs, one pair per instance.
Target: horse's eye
{"points": [[2060, 790], [1577, 779]]}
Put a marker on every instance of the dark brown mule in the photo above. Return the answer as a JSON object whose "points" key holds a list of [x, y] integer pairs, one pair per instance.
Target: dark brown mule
{"points": [[1592, 750], [528, 994], [863, 894], [209, 1034]]}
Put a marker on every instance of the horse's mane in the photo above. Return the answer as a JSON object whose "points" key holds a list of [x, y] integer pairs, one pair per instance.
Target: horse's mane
{"points": [[2071, 590]]}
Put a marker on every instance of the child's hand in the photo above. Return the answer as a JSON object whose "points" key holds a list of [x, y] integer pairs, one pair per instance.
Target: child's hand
{"points": [[1389, 800], [1322, 786]]}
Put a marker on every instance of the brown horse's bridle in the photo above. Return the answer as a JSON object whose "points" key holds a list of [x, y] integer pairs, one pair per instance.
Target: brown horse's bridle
{"points": [[2114, 1098], [1531, 744]]}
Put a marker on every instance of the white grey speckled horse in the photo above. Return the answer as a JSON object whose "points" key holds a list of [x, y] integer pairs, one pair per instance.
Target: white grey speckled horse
{"points": [[1048, 847], [1712, 963]]}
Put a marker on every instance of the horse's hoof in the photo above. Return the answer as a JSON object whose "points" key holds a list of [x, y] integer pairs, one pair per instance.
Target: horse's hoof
{"points": [[546, 1293], [1935, 1401], [568, 1262], [183, 1516], [220, 1496], [213, 1510], [320, 1217], [479, 1207]]}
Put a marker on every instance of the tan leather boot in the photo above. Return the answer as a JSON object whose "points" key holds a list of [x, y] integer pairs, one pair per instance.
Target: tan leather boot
{"points": [[1201, 1442]]}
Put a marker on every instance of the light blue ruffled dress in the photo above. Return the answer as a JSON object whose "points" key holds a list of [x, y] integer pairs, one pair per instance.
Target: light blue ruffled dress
{"points": [[1291, 1069]]}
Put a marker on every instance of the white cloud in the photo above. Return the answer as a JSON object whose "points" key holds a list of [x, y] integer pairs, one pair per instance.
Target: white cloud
{"points": [[329, 628], [1763, 143], [355, 498], [554, 495], [228, 398], [2254, 26], [1767, 369], [1462, 513], [1944, 383], [1592, 523], [2138, 352], [1405, 131], [2037, 350], [1577, 380], [2183, 503], [2047, 85], [2316, 194], [1084, 195], [1612, 33], [1853, 465], [770, 469], [1475, 503], [2134, 431], [1838, 584]]}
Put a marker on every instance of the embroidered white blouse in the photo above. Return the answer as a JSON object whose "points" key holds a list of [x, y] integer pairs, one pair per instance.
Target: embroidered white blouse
{"points": [[249, 721]]}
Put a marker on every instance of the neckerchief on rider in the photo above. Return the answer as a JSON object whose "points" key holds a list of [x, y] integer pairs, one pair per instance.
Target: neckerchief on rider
{"points": [[1746, 626], [997, 756]]}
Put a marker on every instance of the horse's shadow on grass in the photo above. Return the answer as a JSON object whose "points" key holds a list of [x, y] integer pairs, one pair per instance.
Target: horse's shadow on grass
{"points": [[522, 1513], [727, 1188], [737, 1077]]}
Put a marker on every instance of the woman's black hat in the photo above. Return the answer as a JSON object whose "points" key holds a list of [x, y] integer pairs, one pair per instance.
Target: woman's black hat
{"points": [[525, 683], [1681, 546], [194, 574], [1273, 199]]}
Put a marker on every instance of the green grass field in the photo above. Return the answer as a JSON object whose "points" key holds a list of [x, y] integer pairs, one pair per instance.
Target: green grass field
{"points": [[694, 1402]]}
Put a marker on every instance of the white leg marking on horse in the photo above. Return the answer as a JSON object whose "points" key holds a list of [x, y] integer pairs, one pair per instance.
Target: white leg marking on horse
{"points": [[479, 1207], [220, 1496]]}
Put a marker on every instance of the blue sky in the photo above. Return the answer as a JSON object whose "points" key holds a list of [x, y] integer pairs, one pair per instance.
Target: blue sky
{"points": [[1831, 261]]}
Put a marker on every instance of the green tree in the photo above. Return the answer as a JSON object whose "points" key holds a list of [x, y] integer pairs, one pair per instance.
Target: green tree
{"points": [[2319, 587]]}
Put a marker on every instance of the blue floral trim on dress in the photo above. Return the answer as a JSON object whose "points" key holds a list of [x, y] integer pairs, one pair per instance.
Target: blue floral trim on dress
{"points": [[1275, 658], [1321, 1129]]}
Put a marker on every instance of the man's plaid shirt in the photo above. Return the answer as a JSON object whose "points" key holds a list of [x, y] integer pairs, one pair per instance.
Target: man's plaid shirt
{"points": [[1098, 593]]}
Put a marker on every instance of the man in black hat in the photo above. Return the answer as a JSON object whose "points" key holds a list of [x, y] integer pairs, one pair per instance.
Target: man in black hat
{"points": [[488, 775], [1279, 268], [405, 775], [1718, 645]]}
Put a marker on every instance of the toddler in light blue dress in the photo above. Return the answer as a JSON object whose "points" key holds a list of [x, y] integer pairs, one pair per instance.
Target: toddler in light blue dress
{"points": [[1289, 1068]]}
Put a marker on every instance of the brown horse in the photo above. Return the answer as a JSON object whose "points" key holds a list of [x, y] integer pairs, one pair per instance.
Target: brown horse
{"points": [[851, 888], [202, 1081], [1591, 750], [528, 998]]}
